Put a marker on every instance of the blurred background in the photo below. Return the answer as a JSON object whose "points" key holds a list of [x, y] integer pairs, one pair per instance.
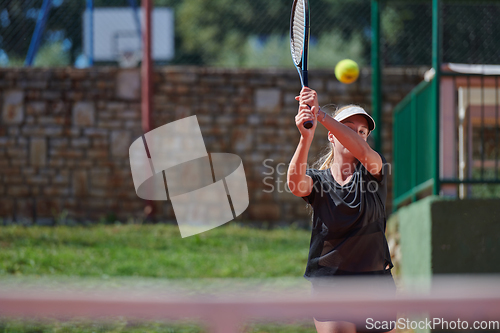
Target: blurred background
{"points": [[72, 80], [254, 34]]}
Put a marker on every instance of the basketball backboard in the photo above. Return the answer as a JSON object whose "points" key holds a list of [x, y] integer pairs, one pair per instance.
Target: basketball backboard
{"points": [[115, 34]]}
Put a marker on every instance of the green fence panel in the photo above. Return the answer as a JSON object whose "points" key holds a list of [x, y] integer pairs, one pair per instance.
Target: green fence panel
{"points": [[424, 144], [413, 145]]}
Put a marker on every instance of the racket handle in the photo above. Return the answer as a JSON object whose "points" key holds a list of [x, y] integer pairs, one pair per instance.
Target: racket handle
{"points": [[308, 124], [305, 83]]}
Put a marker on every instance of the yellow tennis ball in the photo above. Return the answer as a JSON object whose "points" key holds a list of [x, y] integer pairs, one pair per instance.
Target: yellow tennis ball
{"points": [[347, 71]]}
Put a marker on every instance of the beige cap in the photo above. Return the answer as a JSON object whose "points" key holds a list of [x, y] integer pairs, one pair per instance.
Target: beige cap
{"points": [[353, 110]]}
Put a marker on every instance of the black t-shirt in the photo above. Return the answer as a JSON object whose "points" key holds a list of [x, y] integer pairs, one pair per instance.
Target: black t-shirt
{"points": [[348, 230]]}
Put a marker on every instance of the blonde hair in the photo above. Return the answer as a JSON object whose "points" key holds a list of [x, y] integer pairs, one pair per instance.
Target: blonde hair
{"points": [[326, 159]]}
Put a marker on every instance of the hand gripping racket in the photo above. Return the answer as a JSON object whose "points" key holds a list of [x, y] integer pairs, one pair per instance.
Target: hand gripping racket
{"points": [[299, 41]]}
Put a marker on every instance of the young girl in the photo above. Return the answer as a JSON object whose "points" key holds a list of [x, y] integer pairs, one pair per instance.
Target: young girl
{"points": [[347, 195]]}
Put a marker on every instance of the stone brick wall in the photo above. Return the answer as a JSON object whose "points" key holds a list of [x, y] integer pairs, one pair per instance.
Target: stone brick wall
{"points": [[65, 134]]}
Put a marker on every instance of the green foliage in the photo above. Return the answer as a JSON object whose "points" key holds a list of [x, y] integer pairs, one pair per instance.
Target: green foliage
{"points": [[255, 33], [392, 25], [221, 32], [52, 55], [484, 191], [331, 48], [274, 52], [15, 62]]}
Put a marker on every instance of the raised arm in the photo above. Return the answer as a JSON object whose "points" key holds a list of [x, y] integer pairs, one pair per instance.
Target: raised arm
{"points": [[350, 139], [298, 182]]}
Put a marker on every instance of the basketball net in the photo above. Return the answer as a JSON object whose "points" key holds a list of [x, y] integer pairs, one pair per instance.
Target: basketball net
{"points": [[129, 58]]}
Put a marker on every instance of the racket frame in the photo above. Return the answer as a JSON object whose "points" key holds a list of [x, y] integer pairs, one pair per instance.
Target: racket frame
{"points": [[302, 66]]}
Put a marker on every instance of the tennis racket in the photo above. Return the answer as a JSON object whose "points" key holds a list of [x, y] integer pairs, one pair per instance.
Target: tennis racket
{"points": [[299, 41]]}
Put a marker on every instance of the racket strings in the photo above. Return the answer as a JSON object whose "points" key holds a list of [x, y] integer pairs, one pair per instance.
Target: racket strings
{"points": [[298, 32]]}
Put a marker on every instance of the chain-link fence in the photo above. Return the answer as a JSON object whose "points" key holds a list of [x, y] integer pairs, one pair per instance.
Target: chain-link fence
{"points": [[252, 33], [468, 32]]}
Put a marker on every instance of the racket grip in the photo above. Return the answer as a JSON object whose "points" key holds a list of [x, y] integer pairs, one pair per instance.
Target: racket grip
{"points": [[308, 124]]}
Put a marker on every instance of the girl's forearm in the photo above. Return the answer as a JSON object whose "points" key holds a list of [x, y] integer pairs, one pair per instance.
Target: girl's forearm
{"points": [[349, 139], [296, 176]]}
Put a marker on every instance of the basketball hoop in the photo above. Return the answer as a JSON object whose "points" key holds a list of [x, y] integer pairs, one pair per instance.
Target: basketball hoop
{"points": [[129, 58]]}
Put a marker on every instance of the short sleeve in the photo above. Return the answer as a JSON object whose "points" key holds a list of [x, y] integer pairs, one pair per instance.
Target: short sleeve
{"points": [[385, 170], [313, 173], [381, 185]]}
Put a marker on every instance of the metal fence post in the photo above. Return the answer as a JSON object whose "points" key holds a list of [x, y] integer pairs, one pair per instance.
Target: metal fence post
{"points": [[37, 34], [376, 74], [436, 64]]}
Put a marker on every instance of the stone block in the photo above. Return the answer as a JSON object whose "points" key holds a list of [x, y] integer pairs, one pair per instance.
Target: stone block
{"points": [[6, 142], [132, 124], [129, 114], [14, 131], [99, 177], [96, 132], [74, 95], [55, 162], [13, 107], [30, 120], [15, 179], [100, 142], [35, 108], [110, 123], [99, 192], [66, 153], [37, 180], [128, 84], [83, 114], [18, 191], [47, 207], [267, 100], [59, 107], [183, 77], [24, 211], [61, 178], [6, 207], [18, 162], [120, 143], [264, 212], [72, 132], [56, 191], [51, 95], [104, 84], [77, 74], [19, 151], [28, 171], [38, 151], [32, 84], [97, 153], [80, 142], [58, 142], [318, 84], [50, 120], [96, 204], [48, 131], [106, 114], [115, 106]]}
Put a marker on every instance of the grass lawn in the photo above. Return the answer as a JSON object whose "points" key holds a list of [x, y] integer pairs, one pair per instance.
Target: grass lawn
{"points": [[153, 251]]}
